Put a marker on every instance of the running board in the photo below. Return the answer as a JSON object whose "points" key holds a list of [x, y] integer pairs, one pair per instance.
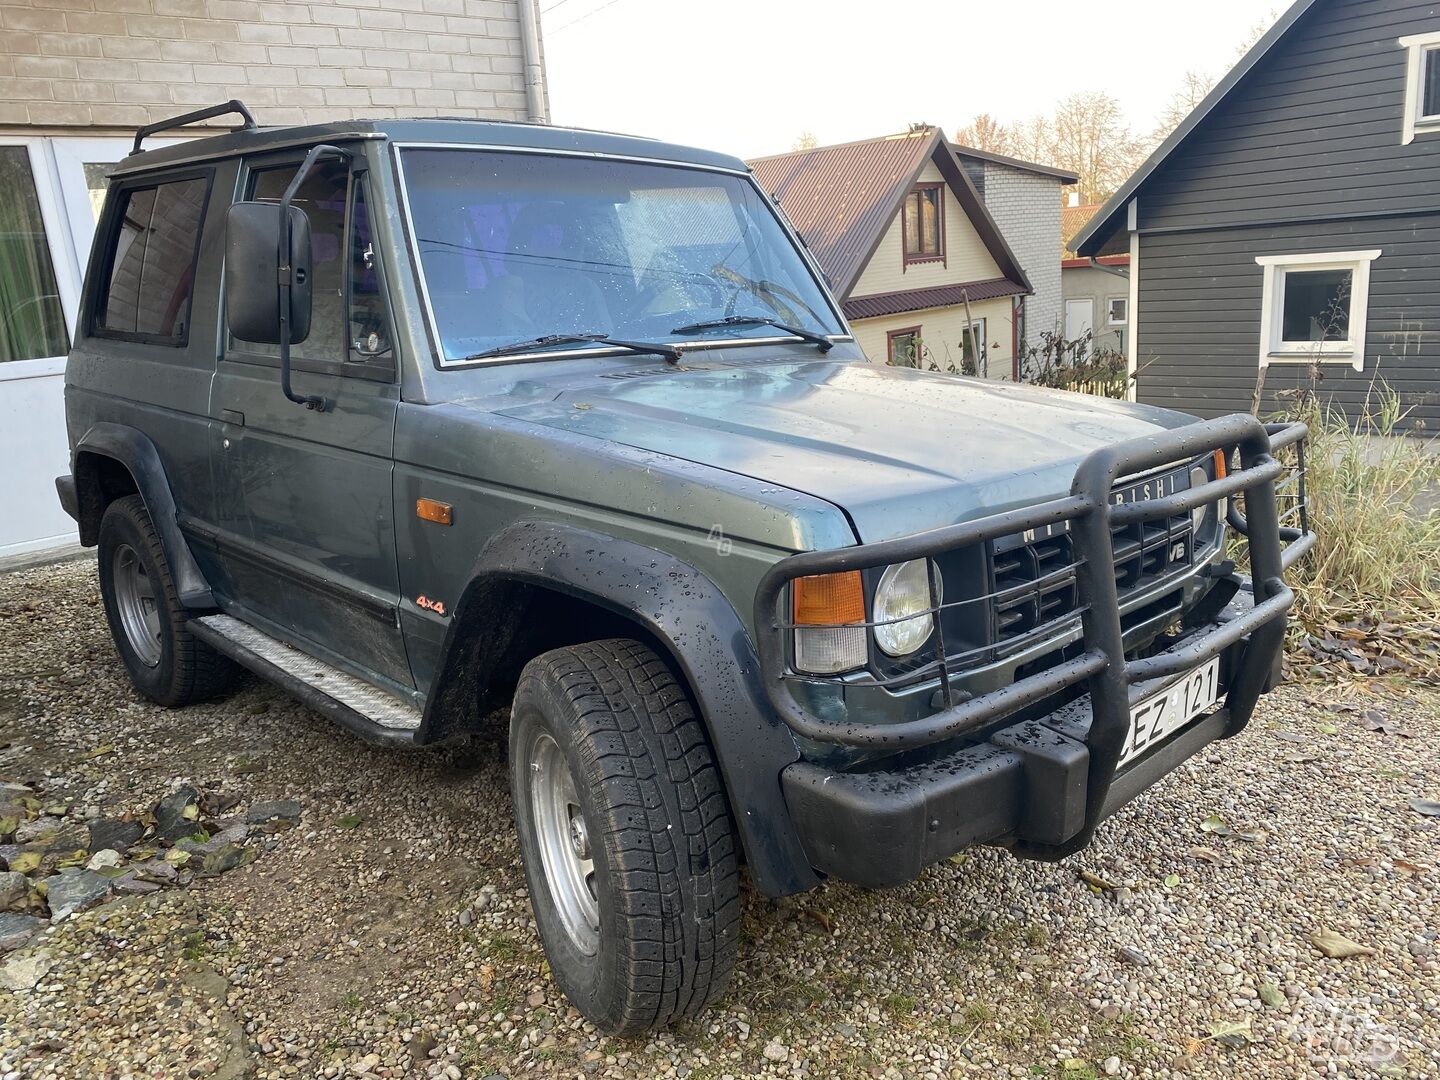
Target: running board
{"points": [[370, 712]]}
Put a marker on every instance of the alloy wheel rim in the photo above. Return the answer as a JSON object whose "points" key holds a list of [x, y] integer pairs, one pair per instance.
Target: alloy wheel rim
{"points": [[136, 604], [566, 855]]}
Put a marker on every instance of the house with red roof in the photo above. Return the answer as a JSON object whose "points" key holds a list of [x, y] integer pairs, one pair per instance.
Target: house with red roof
{"points": [[902, 228]]}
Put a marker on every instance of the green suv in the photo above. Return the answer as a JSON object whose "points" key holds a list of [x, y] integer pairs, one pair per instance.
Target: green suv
{"points": [[420, 419]]}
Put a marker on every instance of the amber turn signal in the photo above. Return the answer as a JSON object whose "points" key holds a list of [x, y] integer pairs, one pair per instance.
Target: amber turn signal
{"points": [[432, 510], [1221, 468], [829, 599]]}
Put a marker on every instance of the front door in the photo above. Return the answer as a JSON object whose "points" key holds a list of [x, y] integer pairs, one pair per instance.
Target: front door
{"points": [[310, 525], [1079, 318]]}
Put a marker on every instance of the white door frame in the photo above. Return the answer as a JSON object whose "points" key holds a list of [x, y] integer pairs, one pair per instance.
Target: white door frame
{"points": [[62, 257]]}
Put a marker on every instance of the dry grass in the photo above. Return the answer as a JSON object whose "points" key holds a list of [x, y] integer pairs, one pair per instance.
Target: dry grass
{"points": [[1378, 545]]}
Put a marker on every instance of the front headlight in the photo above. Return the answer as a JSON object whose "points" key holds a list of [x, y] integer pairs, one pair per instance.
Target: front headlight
{"points": [[1199, 476], [904, 590]]}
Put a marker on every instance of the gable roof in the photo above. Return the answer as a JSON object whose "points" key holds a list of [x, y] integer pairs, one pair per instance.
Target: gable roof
{"points": [[1072, 220], [1110, 216], [841, 199], [1065, 176]]}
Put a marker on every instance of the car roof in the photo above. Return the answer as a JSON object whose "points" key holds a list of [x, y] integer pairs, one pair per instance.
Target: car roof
{"points": [[491, 134]]}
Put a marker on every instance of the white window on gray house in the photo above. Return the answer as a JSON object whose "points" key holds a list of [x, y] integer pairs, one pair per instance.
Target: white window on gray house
{"points": [[1313, 307], [1422, 85], [1117, 310]]}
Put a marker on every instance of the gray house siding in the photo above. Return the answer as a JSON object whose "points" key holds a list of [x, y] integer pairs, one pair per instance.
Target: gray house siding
{"points": [[1313, 132], [1199, 328]]}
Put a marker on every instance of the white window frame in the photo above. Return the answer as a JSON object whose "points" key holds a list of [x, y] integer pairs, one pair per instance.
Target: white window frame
{"points": [[1110, 303], [1274, 350], [1417, 46]]}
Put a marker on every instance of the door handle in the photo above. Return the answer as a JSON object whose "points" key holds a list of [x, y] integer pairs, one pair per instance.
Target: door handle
{"points": [[230, 416]]}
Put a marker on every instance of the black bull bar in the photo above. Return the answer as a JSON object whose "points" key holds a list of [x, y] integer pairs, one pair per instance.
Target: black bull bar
{"points": [[1102, 663]]}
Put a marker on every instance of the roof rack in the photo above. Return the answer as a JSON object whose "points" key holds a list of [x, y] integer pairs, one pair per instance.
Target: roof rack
{"points": [[231, 106]]}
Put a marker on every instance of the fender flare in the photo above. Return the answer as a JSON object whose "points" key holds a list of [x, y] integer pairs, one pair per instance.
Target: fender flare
{"points": [[134, 450], [688, 614]]}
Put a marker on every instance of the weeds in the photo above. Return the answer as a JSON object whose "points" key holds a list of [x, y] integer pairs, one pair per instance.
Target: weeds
{"points": [[1377, 553]]}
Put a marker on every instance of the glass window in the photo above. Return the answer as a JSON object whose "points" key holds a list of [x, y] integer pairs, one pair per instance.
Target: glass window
{"points": [[518, 246], [1430, 84], [322, 198], [969, 342], [922, 222], [1119, 310], [904, 347], [369, 327], [1316, 305], [152, 265], [32, 322]]}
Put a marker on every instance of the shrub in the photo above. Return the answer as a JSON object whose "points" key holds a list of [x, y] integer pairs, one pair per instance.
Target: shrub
{"points": [[1372, 582]]}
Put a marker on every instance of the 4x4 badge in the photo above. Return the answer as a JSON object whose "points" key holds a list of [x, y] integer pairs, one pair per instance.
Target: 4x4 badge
{"points": [[437, 606]]}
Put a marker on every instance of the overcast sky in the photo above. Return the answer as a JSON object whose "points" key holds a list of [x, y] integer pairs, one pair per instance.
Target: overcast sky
{"points": [[747, 76]]}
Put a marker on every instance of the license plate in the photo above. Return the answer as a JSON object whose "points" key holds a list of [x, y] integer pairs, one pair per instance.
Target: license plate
{"points": [[1157, 718]]}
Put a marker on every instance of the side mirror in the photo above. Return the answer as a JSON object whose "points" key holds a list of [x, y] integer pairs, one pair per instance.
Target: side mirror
{"points": [[252, 272]]}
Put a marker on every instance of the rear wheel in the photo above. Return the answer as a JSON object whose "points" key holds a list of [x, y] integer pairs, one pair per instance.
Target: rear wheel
{"points": [[627, 840], [165, 661]]}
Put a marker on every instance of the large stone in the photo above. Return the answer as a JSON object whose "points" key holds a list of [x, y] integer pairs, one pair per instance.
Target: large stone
{"points": [[105, 858], [17, 929], [284, 809], [115, 834], [227, 858], [72, 891], [14, 891], [53, 834], [38, 830], [22, 970], [173, 818]]}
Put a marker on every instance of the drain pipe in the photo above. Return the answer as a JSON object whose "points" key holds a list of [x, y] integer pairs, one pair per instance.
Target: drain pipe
{"points": [[534, 73]]}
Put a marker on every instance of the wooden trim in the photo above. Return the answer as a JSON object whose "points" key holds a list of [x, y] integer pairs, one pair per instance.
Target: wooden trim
{"points": [[891, 335], [909, 258]]}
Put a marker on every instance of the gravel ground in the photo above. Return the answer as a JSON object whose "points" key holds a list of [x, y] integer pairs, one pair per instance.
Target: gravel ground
{"points": [[387, 933]]}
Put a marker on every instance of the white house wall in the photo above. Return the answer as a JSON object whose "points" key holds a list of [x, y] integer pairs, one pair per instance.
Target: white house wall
{"points": [[942, 331], [1026, 206], [966, 257]]}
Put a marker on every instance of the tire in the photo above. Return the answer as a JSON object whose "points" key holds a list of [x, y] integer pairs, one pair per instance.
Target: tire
{"points": [[660, 939], [165, 661]]}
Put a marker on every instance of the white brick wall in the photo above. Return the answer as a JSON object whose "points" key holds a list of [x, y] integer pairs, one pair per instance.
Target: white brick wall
{"points": [[121, 63], [1026, 206]]}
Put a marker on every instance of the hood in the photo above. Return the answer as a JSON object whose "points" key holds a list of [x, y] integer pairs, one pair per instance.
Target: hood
{"points": [[898, 450]]}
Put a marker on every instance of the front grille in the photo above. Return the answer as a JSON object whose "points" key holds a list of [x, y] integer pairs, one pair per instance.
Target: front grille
{"points": [[1032, 578]]}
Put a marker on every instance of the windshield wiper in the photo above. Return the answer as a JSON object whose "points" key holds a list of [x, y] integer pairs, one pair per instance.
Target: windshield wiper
{"points": [[644, 348], [820, 341]]}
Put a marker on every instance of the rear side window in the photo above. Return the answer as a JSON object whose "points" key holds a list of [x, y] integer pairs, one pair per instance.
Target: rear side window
{"points": [[152, 262]]}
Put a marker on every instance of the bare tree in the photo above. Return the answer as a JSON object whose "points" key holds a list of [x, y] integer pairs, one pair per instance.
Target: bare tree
{"points": [[1092, 138], [985, 133], [1257, 31], [1033, 140], [806, 140], [1182, 103]]}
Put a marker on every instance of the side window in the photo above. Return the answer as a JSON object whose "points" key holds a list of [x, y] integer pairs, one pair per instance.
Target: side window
{"points": [[347, 314], [322, 197], [152, 262], [369, 327]]}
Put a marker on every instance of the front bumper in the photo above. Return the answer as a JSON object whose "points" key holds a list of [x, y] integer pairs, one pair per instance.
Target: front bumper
{"points": [[1041, 784], [1025, 785]]}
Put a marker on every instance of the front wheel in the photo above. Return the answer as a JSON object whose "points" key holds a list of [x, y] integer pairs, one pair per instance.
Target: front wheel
{"points": [[626, 836], [165, 661]]}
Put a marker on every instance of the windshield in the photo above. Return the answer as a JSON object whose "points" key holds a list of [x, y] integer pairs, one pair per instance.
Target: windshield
{"points": [[515, 246]]}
